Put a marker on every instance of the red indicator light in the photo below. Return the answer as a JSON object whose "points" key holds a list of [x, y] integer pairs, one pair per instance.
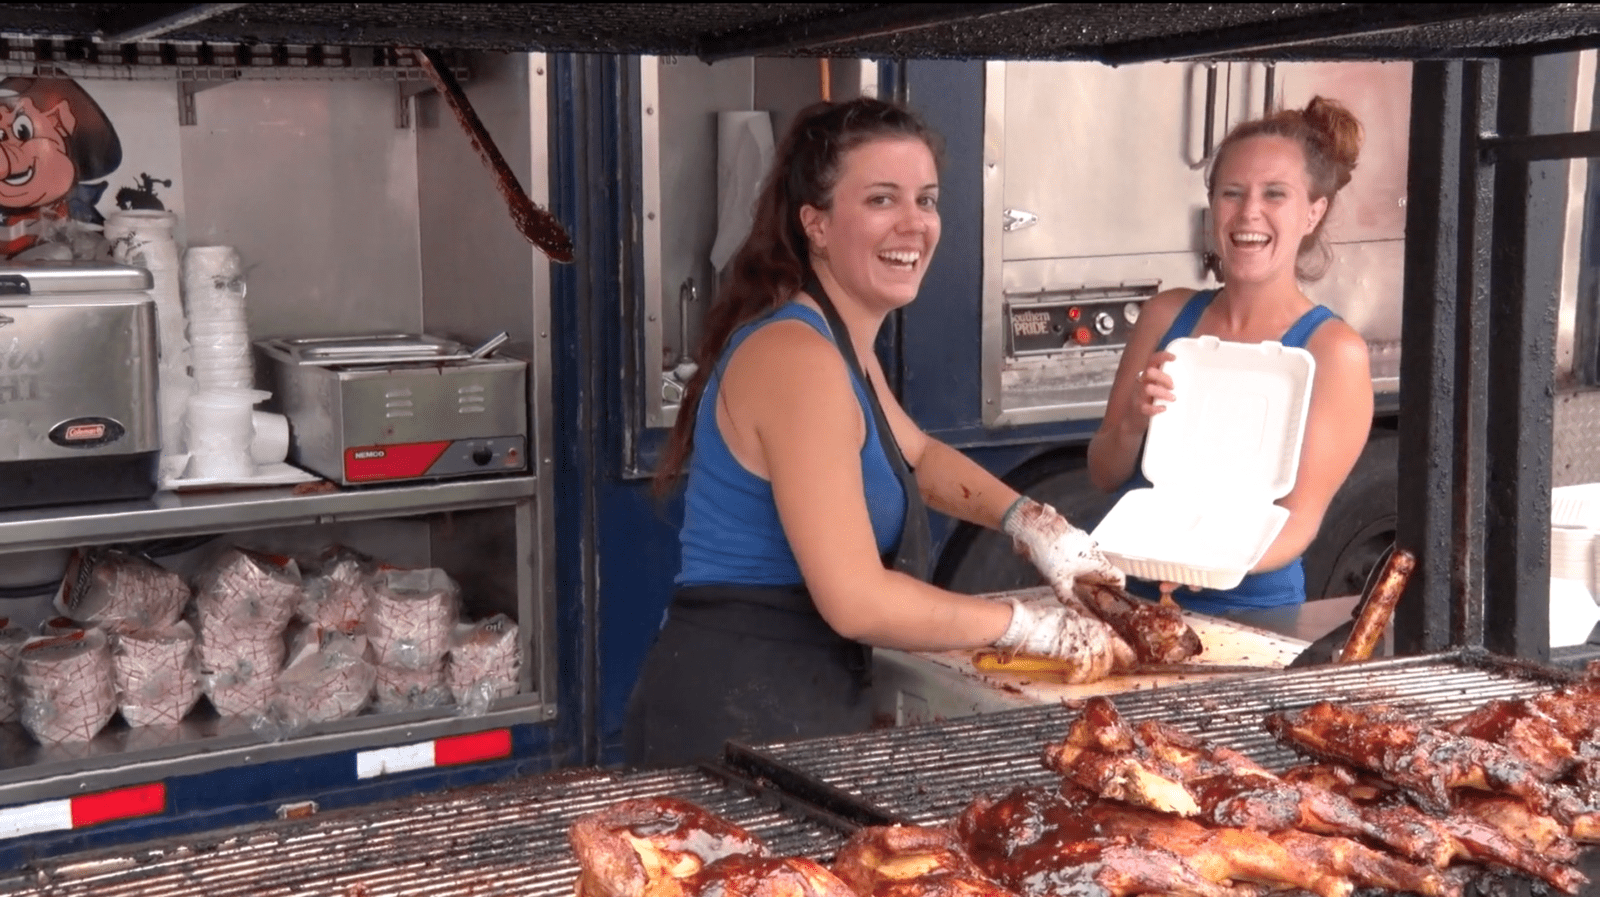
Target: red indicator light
{"points": [[1074, 314], [1083, 336]]}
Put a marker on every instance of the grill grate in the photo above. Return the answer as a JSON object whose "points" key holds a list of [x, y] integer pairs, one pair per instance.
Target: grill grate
{"points": [[508, 839], [928, 773]]}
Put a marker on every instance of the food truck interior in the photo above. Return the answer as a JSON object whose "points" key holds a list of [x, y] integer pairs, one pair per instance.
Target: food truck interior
{"points": [[549, 244]]}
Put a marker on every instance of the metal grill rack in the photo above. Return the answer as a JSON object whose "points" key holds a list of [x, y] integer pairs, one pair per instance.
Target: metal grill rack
{"points": [[926, 774], [500, 840]]}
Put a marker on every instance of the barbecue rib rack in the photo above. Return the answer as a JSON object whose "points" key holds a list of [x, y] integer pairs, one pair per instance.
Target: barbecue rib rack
{"points": [[803, 798]]}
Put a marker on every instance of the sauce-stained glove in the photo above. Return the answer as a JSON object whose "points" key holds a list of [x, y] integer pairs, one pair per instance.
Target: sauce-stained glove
{"points": [[1061, 551], [1049, 629]]}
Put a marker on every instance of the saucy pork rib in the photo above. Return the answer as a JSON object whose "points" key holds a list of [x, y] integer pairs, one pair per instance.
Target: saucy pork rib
{"points": [[1030, 840], [1425, 761], [911, 861], [1159, 767], [666, 847], [1156, 632], [1518, 846]]}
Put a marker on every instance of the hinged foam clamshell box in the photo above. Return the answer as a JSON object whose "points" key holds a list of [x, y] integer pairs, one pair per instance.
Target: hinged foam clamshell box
{"points": [[1225, 449]]}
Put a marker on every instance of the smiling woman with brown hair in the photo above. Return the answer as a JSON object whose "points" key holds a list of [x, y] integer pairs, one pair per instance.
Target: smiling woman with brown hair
{"points": [[1272, 184], [805, 535]]}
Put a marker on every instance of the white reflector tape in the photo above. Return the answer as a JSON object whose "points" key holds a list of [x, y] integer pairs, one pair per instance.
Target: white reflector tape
{"points": [[370, 764], [30, 819]]}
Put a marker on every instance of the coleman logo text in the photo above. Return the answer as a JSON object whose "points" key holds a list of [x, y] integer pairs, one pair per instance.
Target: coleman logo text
{"points": [[82, 432]]}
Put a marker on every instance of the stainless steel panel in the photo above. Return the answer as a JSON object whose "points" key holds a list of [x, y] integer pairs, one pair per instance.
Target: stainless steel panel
{"points": [[317, 188], [77, 276], [1102, 182], [377, 349], [1576, 441], [181, 514], [65, 357]]}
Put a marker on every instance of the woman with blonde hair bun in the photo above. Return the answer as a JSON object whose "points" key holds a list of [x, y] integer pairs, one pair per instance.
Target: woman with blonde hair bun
{"points": [[1272, 184]]}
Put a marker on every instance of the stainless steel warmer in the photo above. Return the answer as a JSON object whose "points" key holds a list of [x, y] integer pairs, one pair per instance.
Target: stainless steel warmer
{"points": [[78, 373]]}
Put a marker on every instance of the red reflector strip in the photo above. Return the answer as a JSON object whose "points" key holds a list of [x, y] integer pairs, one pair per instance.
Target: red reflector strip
{"points": [[123, 803], [471, 748]]}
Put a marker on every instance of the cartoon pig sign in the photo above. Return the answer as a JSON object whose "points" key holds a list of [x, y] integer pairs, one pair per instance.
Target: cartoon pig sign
{"points": [[53, 138]]}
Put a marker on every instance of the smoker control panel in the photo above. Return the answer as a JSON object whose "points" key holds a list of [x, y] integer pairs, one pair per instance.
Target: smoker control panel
{"points": [[1070, 324]]}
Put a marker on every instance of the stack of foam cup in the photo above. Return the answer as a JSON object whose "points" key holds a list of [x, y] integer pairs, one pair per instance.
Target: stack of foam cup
{"points": [[219, 336], [220, 433], [144, 238]]}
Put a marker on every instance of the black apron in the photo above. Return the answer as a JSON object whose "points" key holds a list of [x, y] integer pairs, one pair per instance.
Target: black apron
{"points": [[758, 664]]}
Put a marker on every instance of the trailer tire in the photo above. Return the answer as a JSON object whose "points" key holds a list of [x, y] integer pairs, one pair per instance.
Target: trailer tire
{"points": [[979, 560], [1359, 524]]}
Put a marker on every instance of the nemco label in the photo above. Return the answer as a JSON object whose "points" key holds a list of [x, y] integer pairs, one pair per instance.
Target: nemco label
{"points": [[86, 432]]}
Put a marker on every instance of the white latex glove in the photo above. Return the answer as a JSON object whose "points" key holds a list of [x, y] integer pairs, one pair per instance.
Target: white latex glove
{"points": [[1062, 552], [1049, 629]]}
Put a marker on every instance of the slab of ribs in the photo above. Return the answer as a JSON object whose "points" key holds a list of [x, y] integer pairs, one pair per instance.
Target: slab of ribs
{"points": [[1384, 801]]}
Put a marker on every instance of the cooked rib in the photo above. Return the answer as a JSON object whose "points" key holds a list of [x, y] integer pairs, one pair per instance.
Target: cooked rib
{"points": [[911, 861], [1156, 631], [1036, 843], [648, 847], [1427, 762], [1527, 731], [1471, 838]]}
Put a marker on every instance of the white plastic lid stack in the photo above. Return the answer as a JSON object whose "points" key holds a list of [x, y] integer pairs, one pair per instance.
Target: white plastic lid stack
{"points": [[158, 680], [68, 689], [412, 617], [483, 663], [1572, 555], [1218, 458]]}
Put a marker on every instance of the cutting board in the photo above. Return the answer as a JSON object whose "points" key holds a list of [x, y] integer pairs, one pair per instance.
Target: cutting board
{"points": [[915, 687]]}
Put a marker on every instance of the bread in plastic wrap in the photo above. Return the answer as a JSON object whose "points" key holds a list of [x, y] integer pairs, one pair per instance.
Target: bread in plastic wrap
{"points": [[157, 674], [413, 616], [395, 689], [247, 592], [118, 590], [328, 678], [338, 590], [12, 639], [483, 664], [67, 686]]}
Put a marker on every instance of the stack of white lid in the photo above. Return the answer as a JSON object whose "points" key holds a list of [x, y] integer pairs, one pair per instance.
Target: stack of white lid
{"points": [[1574, 578]]}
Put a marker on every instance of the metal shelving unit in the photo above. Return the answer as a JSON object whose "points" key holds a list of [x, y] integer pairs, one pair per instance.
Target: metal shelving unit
{"points": [[184, 514]]}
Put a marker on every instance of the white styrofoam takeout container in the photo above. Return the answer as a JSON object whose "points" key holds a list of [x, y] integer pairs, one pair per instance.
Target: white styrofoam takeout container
{"points": [[1224, 450]]}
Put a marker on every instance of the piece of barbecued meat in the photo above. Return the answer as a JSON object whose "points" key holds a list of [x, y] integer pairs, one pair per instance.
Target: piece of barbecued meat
{"points": [[1104, 755], [753, 876], [1426, 761], [1471, 838], [1156, 632], [911, 861], [1031, 826], [1160, 767], [647, 846], [1036, 843], [1527, 730]]}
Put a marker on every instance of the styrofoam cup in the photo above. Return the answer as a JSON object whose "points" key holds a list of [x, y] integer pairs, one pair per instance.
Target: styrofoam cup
{"points": [[271, 442]]}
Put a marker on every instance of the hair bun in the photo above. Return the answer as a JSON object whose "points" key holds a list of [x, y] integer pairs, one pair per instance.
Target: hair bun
{"points": [[1338, 131]]}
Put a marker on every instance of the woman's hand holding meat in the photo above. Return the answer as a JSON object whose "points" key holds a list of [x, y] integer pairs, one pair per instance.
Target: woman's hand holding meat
{"points": [[1051, 629], [1062, 552]]}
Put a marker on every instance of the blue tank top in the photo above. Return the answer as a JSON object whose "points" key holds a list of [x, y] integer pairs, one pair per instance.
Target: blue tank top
{"points": [[1274, 588], [731, 532]]}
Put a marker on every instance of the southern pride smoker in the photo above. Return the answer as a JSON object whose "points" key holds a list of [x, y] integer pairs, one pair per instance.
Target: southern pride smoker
{"points": [[397, 407], [78, 373]]}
